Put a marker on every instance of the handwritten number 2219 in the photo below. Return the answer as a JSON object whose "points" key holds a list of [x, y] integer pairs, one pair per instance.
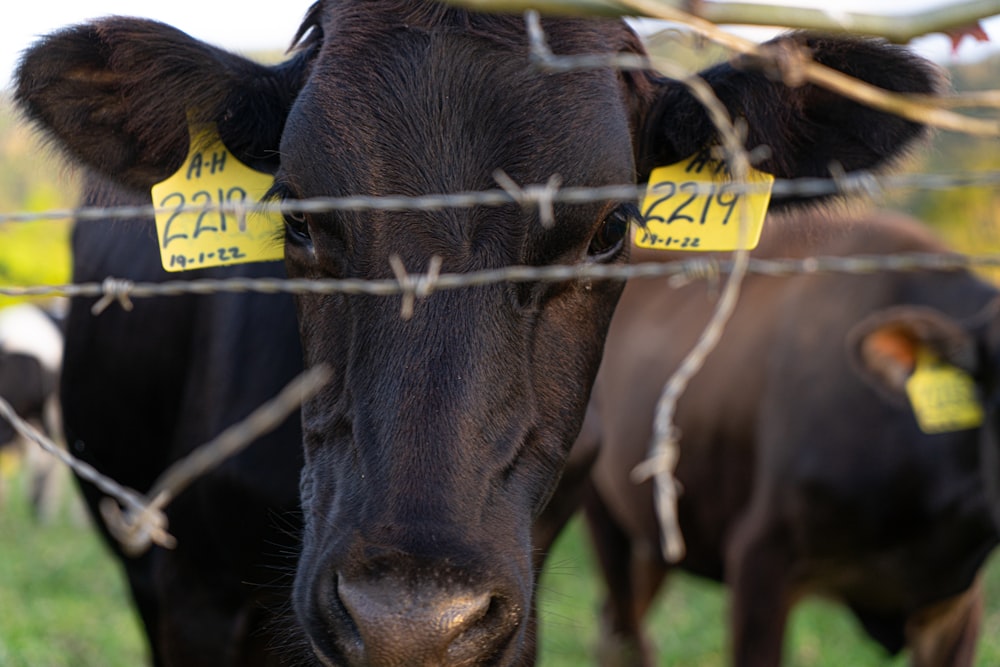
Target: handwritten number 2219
{"points": [[720, 197], [201, 197]]}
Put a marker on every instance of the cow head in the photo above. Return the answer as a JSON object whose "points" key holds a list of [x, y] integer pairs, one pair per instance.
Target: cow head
{"points": [[885, 348], [441, 436]]}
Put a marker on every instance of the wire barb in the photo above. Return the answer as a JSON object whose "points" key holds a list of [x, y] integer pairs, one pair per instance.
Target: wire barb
{"points": [[114, 290], [137, 521]]}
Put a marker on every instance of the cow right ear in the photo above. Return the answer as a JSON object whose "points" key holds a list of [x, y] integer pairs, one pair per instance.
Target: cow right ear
{"points": [[884, 347], [806, 128]]}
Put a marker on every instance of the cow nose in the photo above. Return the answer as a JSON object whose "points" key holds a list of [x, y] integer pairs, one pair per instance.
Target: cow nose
{"points": [[399, 624]]}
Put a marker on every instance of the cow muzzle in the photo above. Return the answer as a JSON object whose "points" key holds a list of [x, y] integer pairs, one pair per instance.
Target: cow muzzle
{"points": [[419, 622]]}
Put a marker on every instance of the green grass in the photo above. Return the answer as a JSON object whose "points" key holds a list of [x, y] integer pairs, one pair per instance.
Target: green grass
{"points": [[63, 604], [62, 599], [687, 625]]}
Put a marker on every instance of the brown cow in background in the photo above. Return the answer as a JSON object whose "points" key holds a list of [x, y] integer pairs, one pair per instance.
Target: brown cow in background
{"points": [[802, 466]]}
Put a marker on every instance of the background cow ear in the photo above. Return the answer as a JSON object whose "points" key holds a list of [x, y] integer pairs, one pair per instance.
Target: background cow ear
{"points": [[116, 95], [883, 348], [806, 128]]}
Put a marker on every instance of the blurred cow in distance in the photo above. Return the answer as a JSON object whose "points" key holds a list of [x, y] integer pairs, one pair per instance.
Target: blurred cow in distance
{"points": [[802, 466], [31, 347]]}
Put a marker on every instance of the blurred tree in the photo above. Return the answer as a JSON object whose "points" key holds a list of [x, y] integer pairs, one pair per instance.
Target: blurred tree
{"points": [[32, 180]]}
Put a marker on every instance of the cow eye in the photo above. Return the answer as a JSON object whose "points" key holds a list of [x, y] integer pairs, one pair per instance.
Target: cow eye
{"points": [[611, 235], [298, 225]]}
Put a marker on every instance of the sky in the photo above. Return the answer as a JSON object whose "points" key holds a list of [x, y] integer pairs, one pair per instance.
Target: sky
{"points": [[255, 25]]}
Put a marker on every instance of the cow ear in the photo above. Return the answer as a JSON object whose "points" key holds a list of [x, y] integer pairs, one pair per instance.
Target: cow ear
{"points": [[805, 128], [884, 347], [116, 95]]}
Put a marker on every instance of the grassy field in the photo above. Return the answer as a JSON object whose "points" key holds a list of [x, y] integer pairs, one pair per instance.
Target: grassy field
{"points": [[62, 599], [63, 604]]}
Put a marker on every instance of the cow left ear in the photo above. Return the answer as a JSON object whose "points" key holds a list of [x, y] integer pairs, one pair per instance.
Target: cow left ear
{"points": [[117, 95], [884, 347], [806, 128]]}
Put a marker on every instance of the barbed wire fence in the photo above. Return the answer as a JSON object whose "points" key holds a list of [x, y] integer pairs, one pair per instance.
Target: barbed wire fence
{"points": [[138, 520]]}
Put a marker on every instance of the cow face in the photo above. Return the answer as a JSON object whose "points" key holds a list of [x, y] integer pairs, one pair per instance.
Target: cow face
{"points": [[441, 436], [461, 472]]}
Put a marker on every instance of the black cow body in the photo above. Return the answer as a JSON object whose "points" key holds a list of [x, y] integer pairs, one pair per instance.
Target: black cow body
{"points": [[799, 476], [437, 445], [143, 388]]}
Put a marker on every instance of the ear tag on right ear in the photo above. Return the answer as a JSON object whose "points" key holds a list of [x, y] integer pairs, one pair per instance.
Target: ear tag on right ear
{"points": [[691, 205], [943, 396], [197, 239]]}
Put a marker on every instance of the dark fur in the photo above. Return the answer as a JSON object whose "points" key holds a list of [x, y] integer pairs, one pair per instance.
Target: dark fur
{"points": [[441, 438], [800, 474]]}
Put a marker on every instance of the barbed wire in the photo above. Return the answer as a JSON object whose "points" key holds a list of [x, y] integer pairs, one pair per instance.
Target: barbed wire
{"points": [[858, 183], [128, 497], [138, 521], [422, 284]]}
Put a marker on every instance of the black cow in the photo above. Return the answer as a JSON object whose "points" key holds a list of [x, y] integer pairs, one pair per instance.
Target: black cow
{"points": [[441, 438], [802, 465]]}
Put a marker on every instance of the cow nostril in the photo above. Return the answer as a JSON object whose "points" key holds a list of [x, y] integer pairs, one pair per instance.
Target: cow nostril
{"points": [[402, 624], [461, 613]]}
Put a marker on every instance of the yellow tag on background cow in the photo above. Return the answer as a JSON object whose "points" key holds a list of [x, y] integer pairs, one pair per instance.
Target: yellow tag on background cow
{"points": [[212, 176], [691, 206], [10, 462], [943, 396]]}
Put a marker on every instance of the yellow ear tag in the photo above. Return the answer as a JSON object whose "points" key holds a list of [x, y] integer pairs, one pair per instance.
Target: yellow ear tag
{"points": [[691, 205], [943, 396], [212, 176], [10, 462]]}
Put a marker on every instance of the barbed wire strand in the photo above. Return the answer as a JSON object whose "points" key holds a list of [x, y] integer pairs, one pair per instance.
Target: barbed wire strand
{"points": [[138, 521], [126, 496], [853, 184], [137, 529], [113, 290]]}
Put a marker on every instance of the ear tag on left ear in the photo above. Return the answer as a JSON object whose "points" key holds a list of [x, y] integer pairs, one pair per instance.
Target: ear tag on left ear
{"points": [[943, 396], [691, 205], [197, 239]]}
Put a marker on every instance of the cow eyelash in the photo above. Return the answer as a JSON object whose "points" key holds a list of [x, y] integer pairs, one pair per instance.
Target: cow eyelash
{"points": [[610, 237], [296, 222]]}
